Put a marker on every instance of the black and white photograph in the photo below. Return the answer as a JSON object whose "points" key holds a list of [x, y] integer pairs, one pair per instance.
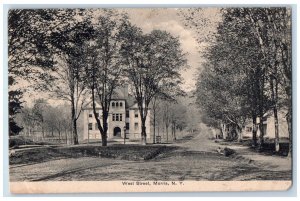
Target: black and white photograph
{"points": [[150, 98]]}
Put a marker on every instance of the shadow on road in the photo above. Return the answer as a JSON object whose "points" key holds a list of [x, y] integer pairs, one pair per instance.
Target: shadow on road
{"points": [[185, 139]]}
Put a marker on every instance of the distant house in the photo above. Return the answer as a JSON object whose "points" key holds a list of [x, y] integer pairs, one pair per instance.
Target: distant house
{"points": [[123, 116], [269, 126]]}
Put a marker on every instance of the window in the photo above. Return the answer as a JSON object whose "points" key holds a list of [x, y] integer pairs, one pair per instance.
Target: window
{"points": [[136, 126], [97, 114], [117, 117], [249, 129], [90, 126], [117, 104], [136, 113], [127, 126], [121, 104], [90, 115], [96, 126], [127, 114], [113, 104]]}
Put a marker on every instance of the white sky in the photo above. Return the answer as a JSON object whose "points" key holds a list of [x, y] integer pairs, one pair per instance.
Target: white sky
{"points": [[168, 19]]}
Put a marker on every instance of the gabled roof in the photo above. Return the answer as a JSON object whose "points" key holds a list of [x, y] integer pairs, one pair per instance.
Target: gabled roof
{"points": [[130, 101], [119, 94], [88, 105], [281, 111]]}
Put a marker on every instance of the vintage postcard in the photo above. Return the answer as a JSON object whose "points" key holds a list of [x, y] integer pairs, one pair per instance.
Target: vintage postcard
{"points": [[150, 99]]}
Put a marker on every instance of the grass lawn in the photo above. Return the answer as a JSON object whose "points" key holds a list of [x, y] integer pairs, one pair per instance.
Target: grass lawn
{"points": [[117, 151], [268, 146]]}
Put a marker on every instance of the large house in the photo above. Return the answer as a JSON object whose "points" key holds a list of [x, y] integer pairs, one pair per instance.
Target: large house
{"points": [[124, 117], [269, 126]]}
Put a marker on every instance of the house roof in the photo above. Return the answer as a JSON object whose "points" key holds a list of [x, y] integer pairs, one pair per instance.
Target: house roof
{"points": [[119, 94], [281, 112], [130, 101]]}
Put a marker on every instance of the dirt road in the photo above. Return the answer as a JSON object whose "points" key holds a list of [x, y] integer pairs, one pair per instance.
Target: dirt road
{"points": [[195, 159]]}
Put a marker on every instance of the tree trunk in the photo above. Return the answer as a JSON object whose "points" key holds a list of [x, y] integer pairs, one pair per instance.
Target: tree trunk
{"points": [[75, 135], [276, 129], [172, 135], [66, 133], [154, 126], [104, 140], [144, 135], [154, 119], [174, 132], [59, 132], [274, 99], [223, 128], [167, 132], [261, 117], [254, 131], [261, 132], [74, 122], [43, 132], [239, 134], [163, 132], [59, 136], [104, 134], [289, 123]]}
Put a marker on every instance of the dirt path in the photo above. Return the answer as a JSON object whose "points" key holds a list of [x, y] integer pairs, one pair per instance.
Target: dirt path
{"points": [[202, 143], [278, 163], [198, 142]]}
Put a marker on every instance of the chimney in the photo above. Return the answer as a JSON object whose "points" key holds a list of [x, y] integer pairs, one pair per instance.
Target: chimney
{"points": [[125, 91]]}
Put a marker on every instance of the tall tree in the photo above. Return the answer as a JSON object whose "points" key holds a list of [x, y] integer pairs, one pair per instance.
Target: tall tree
{"points": [[153, 62], [15, 107], [69, 81], [104, 68], [38, 114], [54, 119], [70, 87], [28, 45], [25, 51], [218, 98], [166, 118], [159, 106], [251, 38], [242, 51], [178, 116], [269, 30], [272, 28], [155, 106], [24, 119], [34, 37]]}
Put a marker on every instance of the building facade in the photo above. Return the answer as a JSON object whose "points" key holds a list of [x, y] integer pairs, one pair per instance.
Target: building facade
{"points": [[269, 126], [123, 118]]}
